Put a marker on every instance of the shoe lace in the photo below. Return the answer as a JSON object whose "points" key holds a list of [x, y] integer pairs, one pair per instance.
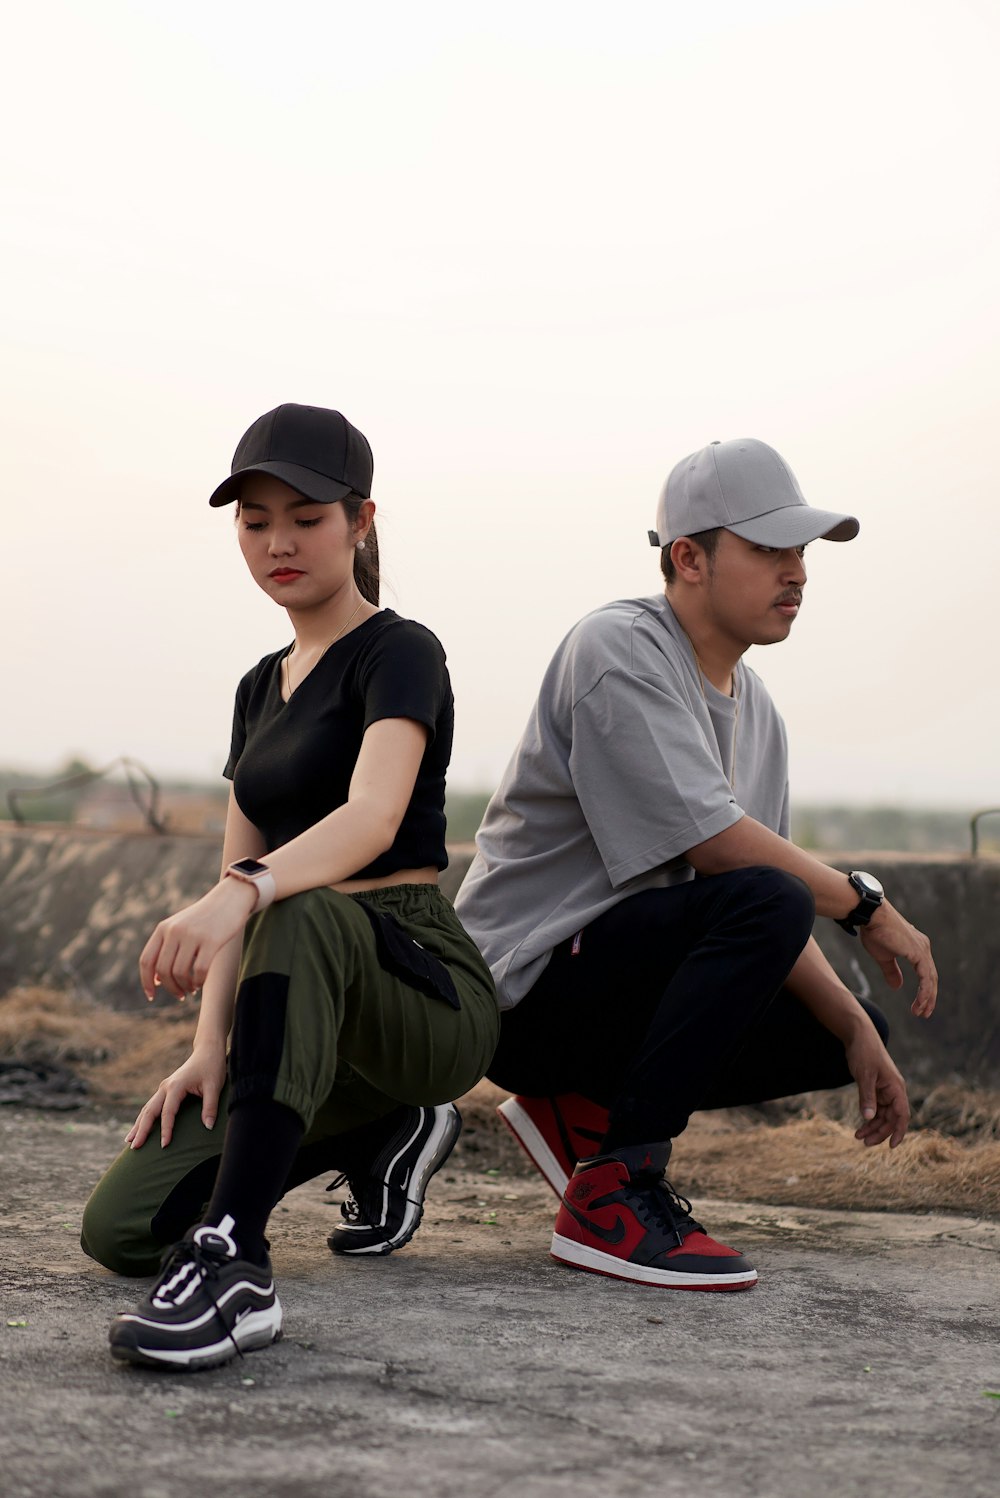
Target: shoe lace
{"points": [[657, 1203], [202, 1261], [360, 1205]]}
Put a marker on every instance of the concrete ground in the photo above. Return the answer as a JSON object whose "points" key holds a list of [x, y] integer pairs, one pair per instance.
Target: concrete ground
{"points": [[470, 1363]]}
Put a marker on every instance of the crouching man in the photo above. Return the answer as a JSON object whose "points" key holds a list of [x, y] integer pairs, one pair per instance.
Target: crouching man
{"points": [[646, 919]]}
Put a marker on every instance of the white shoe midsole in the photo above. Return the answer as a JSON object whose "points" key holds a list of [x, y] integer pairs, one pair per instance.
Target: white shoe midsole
{"points": [[571, 1252], [532, 1142], [255, 1330]]}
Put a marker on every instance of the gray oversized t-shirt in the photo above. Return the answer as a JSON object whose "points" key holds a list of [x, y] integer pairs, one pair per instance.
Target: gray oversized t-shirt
{"points": [[623, 766]]}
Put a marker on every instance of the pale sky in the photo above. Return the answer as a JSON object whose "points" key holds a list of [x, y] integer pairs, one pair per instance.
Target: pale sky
{"points": [[537, 253]]}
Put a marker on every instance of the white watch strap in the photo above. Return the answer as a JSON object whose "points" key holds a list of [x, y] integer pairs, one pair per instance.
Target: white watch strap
{"points": [[262, 883]]}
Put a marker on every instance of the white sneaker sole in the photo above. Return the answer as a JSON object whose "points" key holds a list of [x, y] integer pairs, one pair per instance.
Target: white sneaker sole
{"points": [[531, 1141], [579, 1256], [259, 1329]]}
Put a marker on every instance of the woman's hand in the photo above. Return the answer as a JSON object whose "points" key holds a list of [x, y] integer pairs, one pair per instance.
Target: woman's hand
{"points": [[885, 1107], [201, 1075], [179, 953]]}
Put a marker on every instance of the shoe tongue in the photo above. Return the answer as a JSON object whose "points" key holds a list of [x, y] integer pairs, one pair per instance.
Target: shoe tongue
{"points": [[644, 1159], [218, 1239]]}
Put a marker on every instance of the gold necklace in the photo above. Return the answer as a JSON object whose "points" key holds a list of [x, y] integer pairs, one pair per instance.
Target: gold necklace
{"points": [[285, 659], [736, 714]]}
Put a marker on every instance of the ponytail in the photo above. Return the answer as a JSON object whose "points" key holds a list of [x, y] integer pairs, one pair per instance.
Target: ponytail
{"points": [[365, 562]]}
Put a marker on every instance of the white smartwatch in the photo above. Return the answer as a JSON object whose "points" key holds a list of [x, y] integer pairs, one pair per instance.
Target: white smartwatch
{"points": [[250, 871]]}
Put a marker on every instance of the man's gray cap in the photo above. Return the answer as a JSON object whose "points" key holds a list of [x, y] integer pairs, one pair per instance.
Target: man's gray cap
{"points": [[747, 488]]}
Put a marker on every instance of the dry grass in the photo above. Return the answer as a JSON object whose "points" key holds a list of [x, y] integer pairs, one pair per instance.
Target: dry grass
{"points": [[120, 1056], [800, 1152], [817, 1162], [968, 1113]]}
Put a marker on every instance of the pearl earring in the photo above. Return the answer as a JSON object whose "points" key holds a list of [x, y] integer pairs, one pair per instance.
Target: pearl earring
{"points": [[359, 546]]}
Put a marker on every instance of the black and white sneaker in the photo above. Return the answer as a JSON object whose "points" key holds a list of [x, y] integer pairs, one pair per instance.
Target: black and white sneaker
{"points": [[207, 1306], [388, 1182]]}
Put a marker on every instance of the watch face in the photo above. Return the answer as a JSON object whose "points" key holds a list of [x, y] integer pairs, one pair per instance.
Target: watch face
{"points": [[868, 883], [249, 866]]}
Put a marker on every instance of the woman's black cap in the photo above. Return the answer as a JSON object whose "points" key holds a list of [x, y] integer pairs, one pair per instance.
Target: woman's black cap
{"points": [[315, 451]]}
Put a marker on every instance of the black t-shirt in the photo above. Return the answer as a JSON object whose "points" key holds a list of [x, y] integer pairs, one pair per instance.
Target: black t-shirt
{"points": [[291, 762]]}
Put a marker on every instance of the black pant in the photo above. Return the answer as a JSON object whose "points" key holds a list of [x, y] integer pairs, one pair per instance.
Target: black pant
{"points": [[673, 1001]]}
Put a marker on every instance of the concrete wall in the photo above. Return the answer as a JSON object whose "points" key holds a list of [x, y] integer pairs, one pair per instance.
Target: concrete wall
{"points": [[956, 902], [77, 907]]}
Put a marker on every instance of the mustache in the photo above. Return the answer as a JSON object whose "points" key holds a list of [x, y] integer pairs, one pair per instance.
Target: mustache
{"points": [[790, 595]]}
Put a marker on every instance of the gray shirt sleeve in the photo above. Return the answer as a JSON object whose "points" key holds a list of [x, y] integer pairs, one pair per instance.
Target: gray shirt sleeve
{"points": [[785, 820], [646, 772]]}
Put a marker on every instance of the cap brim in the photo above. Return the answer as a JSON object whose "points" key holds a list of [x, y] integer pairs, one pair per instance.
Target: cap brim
{"points": [[796, 525], [304, 481]]}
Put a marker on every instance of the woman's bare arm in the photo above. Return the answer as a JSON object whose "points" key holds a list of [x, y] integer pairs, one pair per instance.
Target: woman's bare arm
{"points": [[215, 1015], [182, 949], [200, 946], [356, 833]]}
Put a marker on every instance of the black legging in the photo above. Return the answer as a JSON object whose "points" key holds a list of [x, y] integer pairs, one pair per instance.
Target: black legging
{"points": [[673, 1002]]}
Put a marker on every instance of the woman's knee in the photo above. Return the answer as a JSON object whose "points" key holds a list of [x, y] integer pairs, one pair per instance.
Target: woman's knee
{"points": [[118, 1240], [148, 1198]]}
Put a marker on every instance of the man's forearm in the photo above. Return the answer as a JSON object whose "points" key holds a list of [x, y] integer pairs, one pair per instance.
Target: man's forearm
{"points": [[817, 987], [748, 842], [888, 937]]}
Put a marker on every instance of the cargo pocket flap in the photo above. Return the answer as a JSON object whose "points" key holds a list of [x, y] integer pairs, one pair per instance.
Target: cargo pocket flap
{"points": [[403, 957]]}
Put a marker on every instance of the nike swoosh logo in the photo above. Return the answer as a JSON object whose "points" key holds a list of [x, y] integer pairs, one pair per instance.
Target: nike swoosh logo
{"points": [[610, 1235]]}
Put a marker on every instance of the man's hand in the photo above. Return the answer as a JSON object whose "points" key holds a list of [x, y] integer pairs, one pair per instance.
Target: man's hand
{"points": [[888, 937], [885, 1107]]}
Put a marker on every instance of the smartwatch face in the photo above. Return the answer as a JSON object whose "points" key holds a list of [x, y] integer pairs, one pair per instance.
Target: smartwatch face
{"points": [[249, 866], [868, 883]]}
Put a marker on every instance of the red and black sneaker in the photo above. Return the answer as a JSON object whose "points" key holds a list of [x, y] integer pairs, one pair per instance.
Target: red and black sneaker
{"points": [[621, 1217], [555, 1132]]}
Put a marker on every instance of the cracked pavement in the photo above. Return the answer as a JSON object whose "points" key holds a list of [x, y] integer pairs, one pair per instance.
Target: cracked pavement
{"points": [[470, 1363]]}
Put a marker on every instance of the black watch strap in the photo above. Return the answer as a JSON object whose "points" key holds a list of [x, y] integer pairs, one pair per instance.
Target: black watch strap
{"points": [[871, 897]]}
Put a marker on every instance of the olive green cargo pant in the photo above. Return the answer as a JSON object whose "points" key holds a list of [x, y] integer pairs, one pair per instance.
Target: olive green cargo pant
{"points": [[347, 1006]]}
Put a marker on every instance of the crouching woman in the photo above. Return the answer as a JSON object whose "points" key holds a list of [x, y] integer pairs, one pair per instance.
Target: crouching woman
{"points": [[353, 1004]]}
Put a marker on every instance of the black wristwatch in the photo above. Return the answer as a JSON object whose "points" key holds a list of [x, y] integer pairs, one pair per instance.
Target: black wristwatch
{"points": [[871, 896]]}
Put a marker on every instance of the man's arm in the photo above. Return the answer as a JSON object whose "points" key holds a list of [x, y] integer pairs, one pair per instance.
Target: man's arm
{"points": [[881, 1089], [887, 937]]}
